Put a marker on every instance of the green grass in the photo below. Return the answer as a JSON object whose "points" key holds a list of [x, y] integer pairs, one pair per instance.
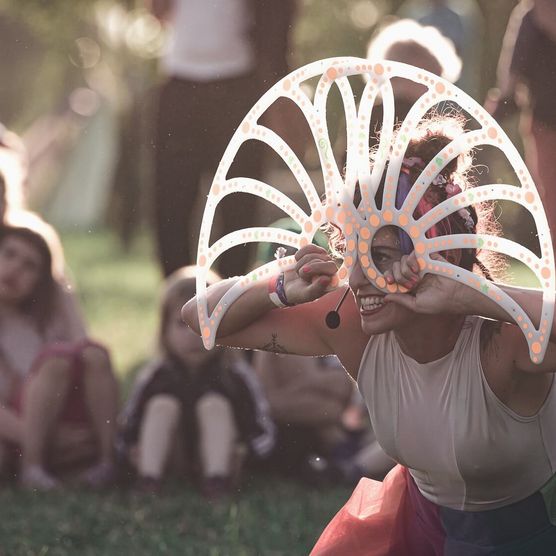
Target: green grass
{"points": [[270, 519], [118, 293]]}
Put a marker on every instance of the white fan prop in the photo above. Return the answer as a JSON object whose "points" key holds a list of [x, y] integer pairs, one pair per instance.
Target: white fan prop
{"points": [[360, 223]]}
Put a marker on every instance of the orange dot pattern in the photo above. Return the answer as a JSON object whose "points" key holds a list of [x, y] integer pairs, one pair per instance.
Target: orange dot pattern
{"points": [[359, 229]]}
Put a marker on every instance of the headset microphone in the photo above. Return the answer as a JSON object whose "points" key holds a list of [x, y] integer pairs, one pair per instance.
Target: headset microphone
{"points": [[333, 317]]}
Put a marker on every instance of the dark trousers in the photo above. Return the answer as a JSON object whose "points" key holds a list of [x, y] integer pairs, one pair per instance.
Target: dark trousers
{"points": [[194, 123]]}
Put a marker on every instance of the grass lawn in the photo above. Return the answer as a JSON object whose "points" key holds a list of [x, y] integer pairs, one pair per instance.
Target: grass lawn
{"points": [[267, 519], [118, 293]]}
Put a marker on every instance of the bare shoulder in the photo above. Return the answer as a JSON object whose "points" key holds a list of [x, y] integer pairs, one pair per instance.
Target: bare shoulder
{"points": [[515, 380]]}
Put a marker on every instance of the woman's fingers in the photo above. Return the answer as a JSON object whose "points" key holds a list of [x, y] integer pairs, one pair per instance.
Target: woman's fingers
{"points": [[413, 263], [410, 271], [317, 268], [402, 273], [309, 259], [321, 285], [389, 276], [311, 248]]}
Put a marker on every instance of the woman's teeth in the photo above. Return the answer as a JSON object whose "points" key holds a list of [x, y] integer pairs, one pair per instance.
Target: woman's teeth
{"points": [[371, 303]]}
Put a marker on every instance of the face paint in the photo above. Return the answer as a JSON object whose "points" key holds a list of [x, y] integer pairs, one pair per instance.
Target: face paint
{"points": [[359, 224]]}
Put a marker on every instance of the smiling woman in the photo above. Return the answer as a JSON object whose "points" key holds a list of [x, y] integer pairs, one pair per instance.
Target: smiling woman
{"points": [[452, 393]]}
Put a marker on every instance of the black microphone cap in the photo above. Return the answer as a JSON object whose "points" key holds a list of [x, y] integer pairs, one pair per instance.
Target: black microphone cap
{"points": [[332, 319]]}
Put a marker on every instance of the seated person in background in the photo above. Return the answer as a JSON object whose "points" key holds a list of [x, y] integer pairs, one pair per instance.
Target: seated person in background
{"points": [[58, 395], [201, 407], [364, 458], [307, 397], [323, 429]]}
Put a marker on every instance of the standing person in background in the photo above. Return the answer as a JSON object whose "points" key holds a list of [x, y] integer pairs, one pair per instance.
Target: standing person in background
{"points": [[462, 22], [527, 82], [222, 55]]}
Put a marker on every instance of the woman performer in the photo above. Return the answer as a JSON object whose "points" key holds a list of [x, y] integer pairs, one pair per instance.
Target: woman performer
{"points": [[452, 393]]}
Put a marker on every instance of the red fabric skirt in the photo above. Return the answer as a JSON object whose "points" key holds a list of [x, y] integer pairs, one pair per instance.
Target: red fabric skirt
{"points": [[394, 519], [372, 521]]}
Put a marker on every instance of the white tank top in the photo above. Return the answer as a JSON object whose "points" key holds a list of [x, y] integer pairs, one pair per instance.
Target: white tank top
{"points": [[464, 448], [209, 40]]}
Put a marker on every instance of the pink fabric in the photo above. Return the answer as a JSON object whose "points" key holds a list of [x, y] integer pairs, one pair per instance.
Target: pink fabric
{"points": [[75, 409], [372, 522]]}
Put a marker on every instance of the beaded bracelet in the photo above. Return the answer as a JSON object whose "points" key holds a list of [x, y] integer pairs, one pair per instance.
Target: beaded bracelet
{"points": [[277, 292]]}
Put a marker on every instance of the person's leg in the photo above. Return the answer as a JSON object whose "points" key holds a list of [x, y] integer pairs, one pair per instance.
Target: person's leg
{"points": [[101, 398], [11, 426], [11, 434], [177, 172], [156, 437], [217, 435], [232, 99], [72, 445], [43, 400]]}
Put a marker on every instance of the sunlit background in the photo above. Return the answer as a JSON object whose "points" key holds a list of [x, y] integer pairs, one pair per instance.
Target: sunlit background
{"points": [[76, 73], [76, 83]]}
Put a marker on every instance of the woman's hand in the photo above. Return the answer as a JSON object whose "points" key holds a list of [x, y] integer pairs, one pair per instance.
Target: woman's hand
{"points": [[314, 275], [431, 293]]}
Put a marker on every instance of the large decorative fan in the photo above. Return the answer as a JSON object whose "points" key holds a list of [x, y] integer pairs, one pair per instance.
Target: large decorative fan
{"points": [[360, 223]]}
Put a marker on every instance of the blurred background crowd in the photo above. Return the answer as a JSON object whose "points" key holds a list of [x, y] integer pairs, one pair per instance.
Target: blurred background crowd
{"points": [[115, 114], [83, 93]]}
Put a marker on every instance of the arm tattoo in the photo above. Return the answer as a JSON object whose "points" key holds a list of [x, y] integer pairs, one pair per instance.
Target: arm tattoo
{"points": [[273, 346]]}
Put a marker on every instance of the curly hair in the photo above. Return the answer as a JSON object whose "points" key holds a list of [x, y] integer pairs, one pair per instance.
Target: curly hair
{"points": [[430, 136]]}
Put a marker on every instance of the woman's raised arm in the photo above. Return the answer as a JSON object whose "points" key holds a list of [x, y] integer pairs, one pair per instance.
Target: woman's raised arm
{"points": [[253, 321]]}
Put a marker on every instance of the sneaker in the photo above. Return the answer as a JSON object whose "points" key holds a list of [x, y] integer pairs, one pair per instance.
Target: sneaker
{"points": [[148, 485], [216, 488], [99, 476], [35, 477]]}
